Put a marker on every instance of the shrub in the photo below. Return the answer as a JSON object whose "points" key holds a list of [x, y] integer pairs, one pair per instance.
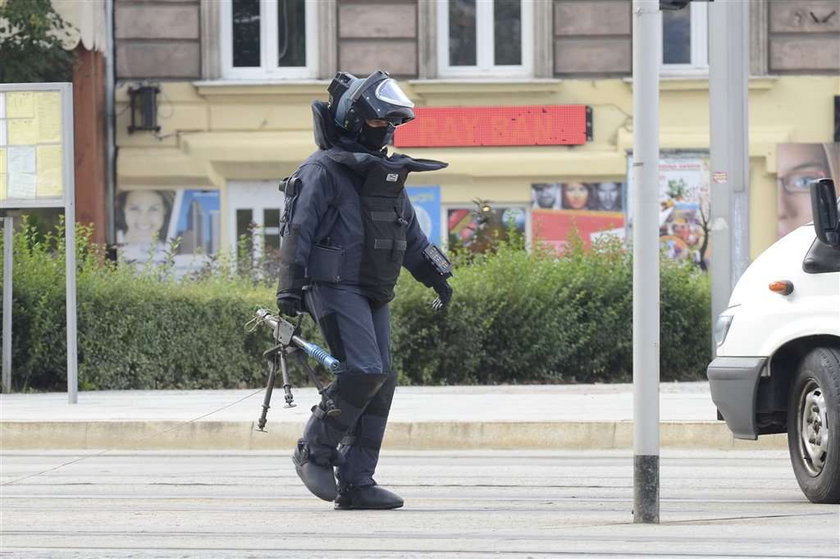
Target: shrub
{"points": [[515, 318], [136, 328], [527, 318]]}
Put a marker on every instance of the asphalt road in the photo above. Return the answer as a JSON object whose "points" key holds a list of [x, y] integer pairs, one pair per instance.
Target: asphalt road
{"points": [[469, 504]]}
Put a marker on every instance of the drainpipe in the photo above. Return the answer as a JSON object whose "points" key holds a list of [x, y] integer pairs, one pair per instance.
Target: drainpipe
{"points": [[110, 236]]}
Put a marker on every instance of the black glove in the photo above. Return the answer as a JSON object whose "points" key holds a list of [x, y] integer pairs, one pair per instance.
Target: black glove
{"points": [[289, 304], [444, 292]]}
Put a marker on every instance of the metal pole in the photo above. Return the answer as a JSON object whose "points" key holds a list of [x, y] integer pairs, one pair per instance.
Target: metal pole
{"points": [[8, 252], [70, 245], [647, 32], [729, 149], [70, 252]]}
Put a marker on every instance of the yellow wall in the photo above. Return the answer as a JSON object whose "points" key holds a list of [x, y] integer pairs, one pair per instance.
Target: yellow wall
{"points": [[212, 133]]}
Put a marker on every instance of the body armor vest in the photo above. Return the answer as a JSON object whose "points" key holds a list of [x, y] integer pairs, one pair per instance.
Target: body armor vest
{"points": [[382, 204]]}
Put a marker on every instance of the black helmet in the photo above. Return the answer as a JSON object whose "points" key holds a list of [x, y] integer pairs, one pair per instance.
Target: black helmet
{"points": [[354, 100]]}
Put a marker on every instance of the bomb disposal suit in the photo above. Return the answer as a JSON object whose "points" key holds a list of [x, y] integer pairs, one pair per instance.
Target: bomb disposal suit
{"points": [[348, 229]]}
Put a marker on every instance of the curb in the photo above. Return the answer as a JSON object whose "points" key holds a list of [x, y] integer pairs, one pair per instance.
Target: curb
{"points": [[445, 435]]}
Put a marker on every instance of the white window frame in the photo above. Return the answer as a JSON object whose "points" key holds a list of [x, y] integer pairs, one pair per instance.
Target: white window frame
{"points": [[256, 196], [268, 44], [484, 67], [699, 44]]}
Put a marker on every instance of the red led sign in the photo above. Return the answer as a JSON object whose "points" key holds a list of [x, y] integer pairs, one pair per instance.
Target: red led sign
{"points": [[535, 125]]}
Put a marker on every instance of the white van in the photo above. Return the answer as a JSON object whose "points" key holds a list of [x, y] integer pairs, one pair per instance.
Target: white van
{"points": [[778, 349]]}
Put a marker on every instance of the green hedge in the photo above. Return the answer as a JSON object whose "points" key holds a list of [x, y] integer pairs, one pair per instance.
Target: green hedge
{"points": [[529, 318], [136, 329], [515, 318]]}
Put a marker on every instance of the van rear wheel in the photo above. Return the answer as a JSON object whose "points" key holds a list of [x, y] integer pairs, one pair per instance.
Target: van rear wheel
{"points": [[814, 425]]}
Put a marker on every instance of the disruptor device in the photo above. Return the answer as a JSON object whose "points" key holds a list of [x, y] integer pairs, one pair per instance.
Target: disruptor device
{"points": [[289, 343]]}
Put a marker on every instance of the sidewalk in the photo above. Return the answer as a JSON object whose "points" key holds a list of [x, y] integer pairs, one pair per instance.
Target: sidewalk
{"points": [[465, 417]]}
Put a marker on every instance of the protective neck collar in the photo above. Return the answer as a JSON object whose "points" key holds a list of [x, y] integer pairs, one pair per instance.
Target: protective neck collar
{"points": [[363, 162], [356, 156]]}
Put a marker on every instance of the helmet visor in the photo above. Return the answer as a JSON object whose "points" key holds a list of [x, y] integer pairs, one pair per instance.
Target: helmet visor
{"points": [[389, 92]]}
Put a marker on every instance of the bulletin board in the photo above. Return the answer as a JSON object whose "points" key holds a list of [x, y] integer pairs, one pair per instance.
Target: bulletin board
{"points": [[37, 171], [36, 166]]}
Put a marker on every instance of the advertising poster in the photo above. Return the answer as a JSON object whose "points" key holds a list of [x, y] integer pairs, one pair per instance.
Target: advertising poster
{"points": [[683, 206], [473, 228], [592, 209], [426, 203], [147, 221], [796, 166]]}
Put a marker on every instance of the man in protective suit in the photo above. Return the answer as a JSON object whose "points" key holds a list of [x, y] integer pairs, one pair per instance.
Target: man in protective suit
{"points": [[348, 229]]}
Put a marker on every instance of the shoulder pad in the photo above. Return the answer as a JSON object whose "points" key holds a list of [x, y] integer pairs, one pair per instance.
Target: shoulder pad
{"points": [[290, 186]]}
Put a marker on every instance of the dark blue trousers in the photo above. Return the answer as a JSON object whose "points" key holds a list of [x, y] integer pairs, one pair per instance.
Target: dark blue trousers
{"points": [[358, 335]]}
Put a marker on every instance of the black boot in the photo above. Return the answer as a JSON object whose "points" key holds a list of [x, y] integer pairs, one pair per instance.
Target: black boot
{"points": [[369, 497], [316, 453], [317, 477]]}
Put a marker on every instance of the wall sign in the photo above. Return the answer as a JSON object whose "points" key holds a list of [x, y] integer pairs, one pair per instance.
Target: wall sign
{"points": [[534, 125]]}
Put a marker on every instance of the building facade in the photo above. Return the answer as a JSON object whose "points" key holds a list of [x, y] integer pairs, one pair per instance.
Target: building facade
{"points": [[236, 79]]}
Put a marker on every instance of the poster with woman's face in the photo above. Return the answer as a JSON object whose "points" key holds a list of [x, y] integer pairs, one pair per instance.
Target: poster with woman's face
{"points": [[148, 220], [593, 209], [142, 218], [576, 196], [797, 165]]}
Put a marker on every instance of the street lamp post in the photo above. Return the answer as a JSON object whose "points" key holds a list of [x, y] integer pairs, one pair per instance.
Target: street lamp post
{"points": [[647, 32]]}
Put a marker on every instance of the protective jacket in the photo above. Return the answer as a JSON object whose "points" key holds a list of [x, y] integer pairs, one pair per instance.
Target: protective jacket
{"points": [[350, 221]]}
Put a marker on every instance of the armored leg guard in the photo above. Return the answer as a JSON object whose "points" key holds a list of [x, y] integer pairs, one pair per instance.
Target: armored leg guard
{"points": [[360, 449]]}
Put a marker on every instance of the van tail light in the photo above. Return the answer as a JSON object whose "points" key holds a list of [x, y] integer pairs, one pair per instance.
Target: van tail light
{"points": [[782, 287]]}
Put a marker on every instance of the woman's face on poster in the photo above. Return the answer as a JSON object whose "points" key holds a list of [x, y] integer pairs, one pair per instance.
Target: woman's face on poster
{"points": [[798, 165], [575, 196], [145, 213]]}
